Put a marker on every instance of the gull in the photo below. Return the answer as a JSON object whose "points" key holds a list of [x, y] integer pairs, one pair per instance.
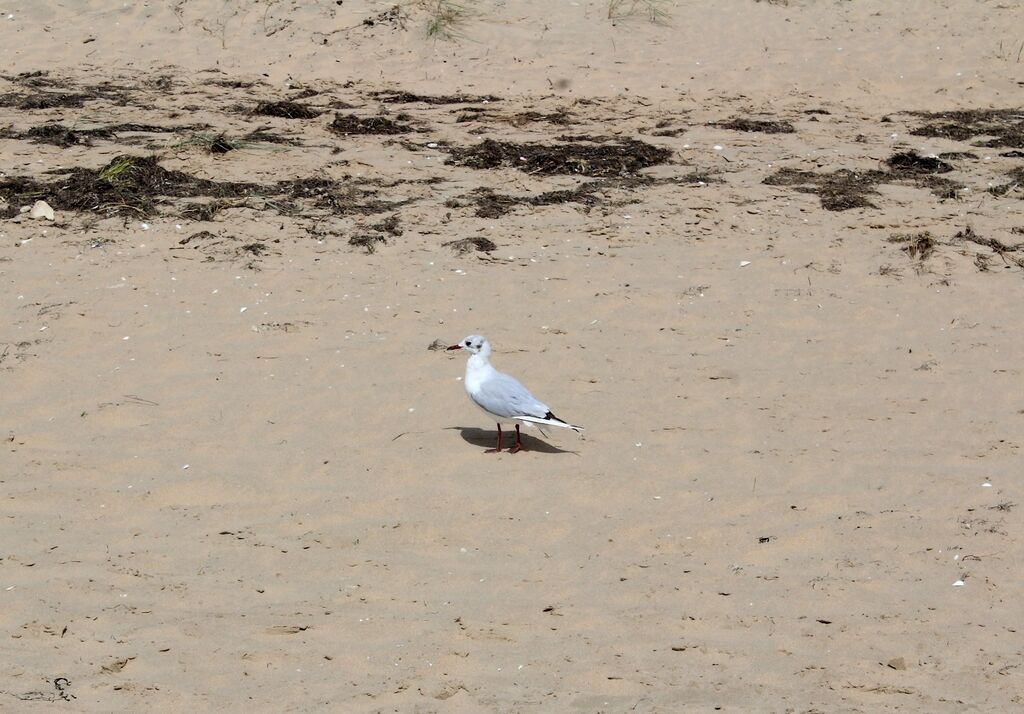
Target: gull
{"points": [[501, 396]]}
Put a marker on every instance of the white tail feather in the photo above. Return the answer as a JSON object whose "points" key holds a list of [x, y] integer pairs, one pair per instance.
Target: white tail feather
{"points": [[549, 422]]}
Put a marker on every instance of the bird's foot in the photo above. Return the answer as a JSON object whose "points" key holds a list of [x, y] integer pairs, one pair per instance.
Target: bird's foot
{"points": [[493, 451], [515, 449]]}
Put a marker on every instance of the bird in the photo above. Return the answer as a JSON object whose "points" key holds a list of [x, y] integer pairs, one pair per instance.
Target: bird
{"points": [[501, 396]]}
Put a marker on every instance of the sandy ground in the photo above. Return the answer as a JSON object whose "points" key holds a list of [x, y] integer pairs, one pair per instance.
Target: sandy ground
{"points": [[236, 479]]}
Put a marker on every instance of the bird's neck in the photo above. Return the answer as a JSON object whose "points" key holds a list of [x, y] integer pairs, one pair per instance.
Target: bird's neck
{"points": [[478, 368], [477, 363]]}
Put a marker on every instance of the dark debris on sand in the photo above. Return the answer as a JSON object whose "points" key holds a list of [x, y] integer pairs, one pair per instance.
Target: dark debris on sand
{"points": [[232, 83], [1016, 183], [264, 135], [35, 98], [400, 97], [756, 125], [34, 78], [64, 136], [348, 124], [907, 163], [389, 227], [59, 135], [559, 117], [490, 204], [844, 189], [1003, 127], [994, 244], [368, 241], [585, 158], [43, 100], [340, 198], [838, 190], [127, 185], [468, 245], [138, 186], [286, 110], [203, 211], [919, 246]]}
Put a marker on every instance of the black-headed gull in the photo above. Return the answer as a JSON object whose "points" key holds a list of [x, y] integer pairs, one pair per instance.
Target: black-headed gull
{"points": [[502, 396]]}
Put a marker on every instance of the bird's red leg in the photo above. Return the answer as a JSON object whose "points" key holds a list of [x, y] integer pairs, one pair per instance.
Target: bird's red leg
{"points": [[519, 443], [498, 450]]}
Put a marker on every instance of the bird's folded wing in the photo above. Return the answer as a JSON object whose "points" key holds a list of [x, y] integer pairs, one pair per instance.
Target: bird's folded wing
{"points": [[506, 397]]}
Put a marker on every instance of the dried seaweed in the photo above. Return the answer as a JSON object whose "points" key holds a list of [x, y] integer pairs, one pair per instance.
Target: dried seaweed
{"points": [[347, 124], [286, 110], [467, 245], [756, 125], [844, 189], [618, 158], [1004, 127], [400, 97]]}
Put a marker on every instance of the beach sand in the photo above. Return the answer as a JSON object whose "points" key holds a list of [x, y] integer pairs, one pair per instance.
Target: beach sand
{"points": [[746, 246]]}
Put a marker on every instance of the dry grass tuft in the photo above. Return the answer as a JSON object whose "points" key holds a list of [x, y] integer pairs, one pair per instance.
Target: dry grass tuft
{"points": [[446, 20], [655, 11]]}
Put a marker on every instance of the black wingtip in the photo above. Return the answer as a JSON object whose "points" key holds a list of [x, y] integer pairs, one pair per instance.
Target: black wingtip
{"points": [[550, 415]]}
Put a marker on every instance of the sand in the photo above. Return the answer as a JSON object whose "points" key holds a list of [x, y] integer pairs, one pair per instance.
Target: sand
{"points": [[235, 478]]}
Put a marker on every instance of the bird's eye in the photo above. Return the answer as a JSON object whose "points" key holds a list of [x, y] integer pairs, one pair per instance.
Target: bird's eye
{"points": [[468, 343]]}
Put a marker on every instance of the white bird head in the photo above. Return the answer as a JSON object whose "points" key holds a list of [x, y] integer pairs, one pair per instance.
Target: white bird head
{"points": [[474, 344]]}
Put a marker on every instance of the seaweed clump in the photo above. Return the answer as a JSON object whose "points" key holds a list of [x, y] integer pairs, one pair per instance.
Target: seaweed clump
{"points": [[44, 100], [756, 125], [838, 190], [844, 189], [286, 110], [1004, 127], [347, 124], [127, 185], [400, 97], [582, 157], [919, 246], [468, 245]]}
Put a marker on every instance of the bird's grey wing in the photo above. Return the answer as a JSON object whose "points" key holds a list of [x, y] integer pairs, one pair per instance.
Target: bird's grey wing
{"points": [[505, 396]]}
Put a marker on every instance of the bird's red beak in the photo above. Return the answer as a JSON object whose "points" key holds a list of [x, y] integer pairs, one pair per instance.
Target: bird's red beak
{"points": [[454, 347]]}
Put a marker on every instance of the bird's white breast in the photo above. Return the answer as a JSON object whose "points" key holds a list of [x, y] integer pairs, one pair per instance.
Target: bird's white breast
{"points": [[477, 370]]}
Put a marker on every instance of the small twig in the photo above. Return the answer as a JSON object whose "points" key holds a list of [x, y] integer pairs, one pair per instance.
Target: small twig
{"points": [[139, 400]]}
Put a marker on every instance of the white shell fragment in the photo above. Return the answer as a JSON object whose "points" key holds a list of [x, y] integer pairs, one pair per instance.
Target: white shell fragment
{"points": [[41, 209]]}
